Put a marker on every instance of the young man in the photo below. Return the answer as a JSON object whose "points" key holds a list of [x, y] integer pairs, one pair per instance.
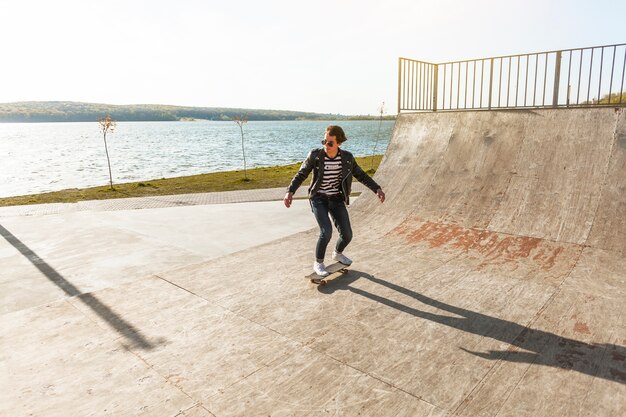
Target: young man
{"points": [[329, 193]]}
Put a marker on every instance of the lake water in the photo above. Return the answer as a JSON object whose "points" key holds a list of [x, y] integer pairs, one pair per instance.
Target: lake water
{"points": [[40, 157]]}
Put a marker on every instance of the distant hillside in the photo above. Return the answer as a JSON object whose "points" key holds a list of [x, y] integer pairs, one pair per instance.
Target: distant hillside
{"points": [[69, 111]]}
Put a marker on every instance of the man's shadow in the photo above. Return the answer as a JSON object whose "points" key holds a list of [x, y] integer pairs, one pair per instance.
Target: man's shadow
{"points": [[603, 360]]}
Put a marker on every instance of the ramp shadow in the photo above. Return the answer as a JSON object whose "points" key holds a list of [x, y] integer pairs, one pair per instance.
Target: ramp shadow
{"points": [[528, 345], [116, 322]]}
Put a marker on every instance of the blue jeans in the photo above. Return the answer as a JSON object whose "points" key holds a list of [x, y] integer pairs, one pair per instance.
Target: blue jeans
{"points": [[323, 206]]}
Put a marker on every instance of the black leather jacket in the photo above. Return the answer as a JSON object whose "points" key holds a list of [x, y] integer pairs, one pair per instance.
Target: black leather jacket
{"points": [[349, 168]]}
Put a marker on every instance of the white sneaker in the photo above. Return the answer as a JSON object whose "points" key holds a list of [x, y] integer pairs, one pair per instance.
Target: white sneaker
{"points": [[320, 269], [341, 258]]}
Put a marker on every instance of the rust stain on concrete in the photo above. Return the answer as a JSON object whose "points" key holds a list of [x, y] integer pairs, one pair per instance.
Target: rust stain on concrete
{"points": [[618, 375], [551, 260], [569, 359], [494, 247], [573, 353], [581, 328]]}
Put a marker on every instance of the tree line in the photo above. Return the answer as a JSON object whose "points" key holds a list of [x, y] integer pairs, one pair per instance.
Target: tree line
{"points": [[68, 111]]}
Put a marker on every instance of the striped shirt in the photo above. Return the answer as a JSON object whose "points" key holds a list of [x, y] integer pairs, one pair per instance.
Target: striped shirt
{"points": [[332, 176]]}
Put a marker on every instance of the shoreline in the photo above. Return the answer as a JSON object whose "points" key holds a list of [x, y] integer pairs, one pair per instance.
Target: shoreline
{"points": [[186, 119], [255, 178]]}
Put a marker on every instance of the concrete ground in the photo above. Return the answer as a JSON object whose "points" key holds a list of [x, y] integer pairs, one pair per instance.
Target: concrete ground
{"points": [[490, 283], [93, 250], [57, 260], [62, 344]]}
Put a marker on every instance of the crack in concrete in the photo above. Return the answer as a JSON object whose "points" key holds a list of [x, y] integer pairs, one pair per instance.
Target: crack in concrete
{"points": [[306, 345], [182, 412], [595, 375], [533, 320], [168, 381], [618, 113], [138, 356]]}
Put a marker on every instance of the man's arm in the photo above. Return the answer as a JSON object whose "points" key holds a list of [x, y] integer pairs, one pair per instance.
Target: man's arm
{"points": [[298, 179], [365, 179]]}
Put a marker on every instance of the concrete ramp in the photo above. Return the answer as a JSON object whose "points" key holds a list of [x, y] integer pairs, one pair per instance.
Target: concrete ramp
{"points": [[547, 174], [492, 282]]}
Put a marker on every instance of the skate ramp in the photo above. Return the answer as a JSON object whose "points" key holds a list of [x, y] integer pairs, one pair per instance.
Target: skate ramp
{"points": [[490, 283], [556, 175]]}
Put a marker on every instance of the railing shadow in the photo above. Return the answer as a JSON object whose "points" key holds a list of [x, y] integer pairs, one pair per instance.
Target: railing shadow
{"points": [[602, 360], [117, 323]]}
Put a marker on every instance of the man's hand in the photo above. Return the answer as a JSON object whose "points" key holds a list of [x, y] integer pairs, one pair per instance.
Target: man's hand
{"points": [[288, 199], [381, 195]]}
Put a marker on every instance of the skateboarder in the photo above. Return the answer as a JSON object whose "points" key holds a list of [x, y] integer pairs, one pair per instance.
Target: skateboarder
{"points": [[329, 193]]}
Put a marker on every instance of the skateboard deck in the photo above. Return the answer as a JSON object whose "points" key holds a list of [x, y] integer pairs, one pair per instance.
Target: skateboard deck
{"points": [[335, 270]]}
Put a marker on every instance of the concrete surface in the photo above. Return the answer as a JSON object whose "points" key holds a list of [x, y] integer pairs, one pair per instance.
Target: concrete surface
{"points": [[134, 203], [491, 283], [93, 250]]}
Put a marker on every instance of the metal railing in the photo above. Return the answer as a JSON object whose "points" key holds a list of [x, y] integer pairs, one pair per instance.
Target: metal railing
{"points": [[580, 77]]}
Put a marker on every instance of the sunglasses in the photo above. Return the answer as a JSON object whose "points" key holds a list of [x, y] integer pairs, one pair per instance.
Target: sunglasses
{"points": [[325, 142]]}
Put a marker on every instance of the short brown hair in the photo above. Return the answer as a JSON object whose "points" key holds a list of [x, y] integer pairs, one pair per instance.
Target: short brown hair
{"points": [[337, 132]]}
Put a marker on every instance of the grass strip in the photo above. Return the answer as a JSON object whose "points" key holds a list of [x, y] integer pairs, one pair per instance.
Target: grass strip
{"points": [[271, 177]]}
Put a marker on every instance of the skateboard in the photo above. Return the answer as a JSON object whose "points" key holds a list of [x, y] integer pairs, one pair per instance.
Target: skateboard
{"points": [[334, 271]]}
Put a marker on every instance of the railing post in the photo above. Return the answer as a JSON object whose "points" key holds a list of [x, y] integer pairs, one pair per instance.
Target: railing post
{"points": [[569, 88], [490, 81], [435, 85], [399, 81], [557, 81]]}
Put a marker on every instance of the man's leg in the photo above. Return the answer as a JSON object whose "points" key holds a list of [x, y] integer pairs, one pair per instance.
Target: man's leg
{"points": [[339, 213], [319, 206]]}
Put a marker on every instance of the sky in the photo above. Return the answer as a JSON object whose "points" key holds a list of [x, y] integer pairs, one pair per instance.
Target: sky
{"points": [[321, 56]]}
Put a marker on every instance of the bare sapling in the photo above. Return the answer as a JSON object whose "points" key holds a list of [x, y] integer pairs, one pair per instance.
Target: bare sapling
{"points": [[242, 120], [107, 125]]}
